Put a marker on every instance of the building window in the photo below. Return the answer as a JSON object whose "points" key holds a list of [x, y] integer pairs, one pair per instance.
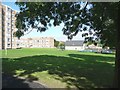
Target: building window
{"points": [[8, 18], [8, 24], [8, 45], [8, 29], [9, 9], [8, 34], [8, 39], [17, 44]]}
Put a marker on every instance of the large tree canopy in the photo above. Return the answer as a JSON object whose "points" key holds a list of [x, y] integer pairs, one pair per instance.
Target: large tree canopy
{"points": [[102, 18], [38, 15]]}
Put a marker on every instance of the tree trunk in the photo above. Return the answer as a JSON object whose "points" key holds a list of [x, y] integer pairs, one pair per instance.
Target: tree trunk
{"points": [[117, 59]]}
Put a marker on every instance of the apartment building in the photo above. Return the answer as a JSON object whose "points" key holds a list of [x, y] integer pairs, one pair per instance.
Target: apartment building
{"points": [[7, 27], [0, 26], [38, 42]]}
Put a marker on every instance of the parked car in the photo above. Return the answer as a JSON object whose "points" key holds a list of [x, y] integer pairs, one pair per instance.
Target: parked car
{"points": [[106, 51], [96, 51], [86, 50]]}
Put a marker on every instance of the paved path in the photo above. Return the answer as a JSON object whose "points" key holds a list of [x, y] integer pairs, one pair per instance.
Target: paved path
{"points": [[9, 81]]}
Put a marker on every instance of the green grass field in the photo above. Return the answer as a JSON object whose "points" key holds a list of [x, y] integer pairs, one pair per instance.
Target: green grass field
{"points": [[58, 69]]}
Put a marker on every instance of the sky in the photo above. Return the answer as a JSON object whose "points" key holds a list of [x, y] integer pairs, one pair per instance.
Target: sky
{"points": [[55, 32]]}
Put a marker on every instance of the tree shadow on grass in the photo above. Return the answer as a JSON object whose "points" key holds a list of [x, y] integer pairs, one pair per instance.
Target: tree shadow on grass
{"points": [[11, 82], [82, 71], [8, 81]]}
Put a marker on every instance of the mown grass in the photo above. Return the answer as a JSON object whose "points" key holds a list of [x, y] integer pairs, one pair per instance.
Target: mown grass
{"points": [[60, 69]]}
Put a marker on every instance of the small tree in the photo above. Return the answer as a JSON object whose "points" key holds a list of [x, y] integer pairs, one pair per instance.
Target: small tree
{"points": [[56, 43]]}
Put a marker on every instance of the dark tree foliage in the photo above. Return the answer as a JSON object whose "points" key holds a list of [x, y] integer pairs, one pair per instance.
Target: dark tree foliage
{"points": [[100, 16], [104, 20], [38, 15], [76, 16]]}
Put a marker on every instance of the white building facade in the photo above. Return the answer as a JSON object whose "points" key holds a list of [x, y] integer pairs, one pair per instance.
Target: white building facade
{"points": [[74, 45]]}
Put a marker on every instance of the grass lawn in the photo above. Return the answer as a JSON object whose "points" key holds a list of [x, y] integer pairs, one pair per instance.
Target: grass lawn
{"points": [[58, 69]]}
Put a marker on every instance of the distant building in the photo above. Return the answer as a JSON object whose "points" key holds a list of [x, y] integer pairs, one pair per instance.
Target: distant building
{"points": [[74, 45], [38, 42], [93, 47]]}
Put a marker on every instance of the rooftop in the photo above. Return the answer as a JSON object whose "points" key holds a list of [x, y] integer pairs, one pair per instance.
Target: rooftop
{"points": [[74, 43]]}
